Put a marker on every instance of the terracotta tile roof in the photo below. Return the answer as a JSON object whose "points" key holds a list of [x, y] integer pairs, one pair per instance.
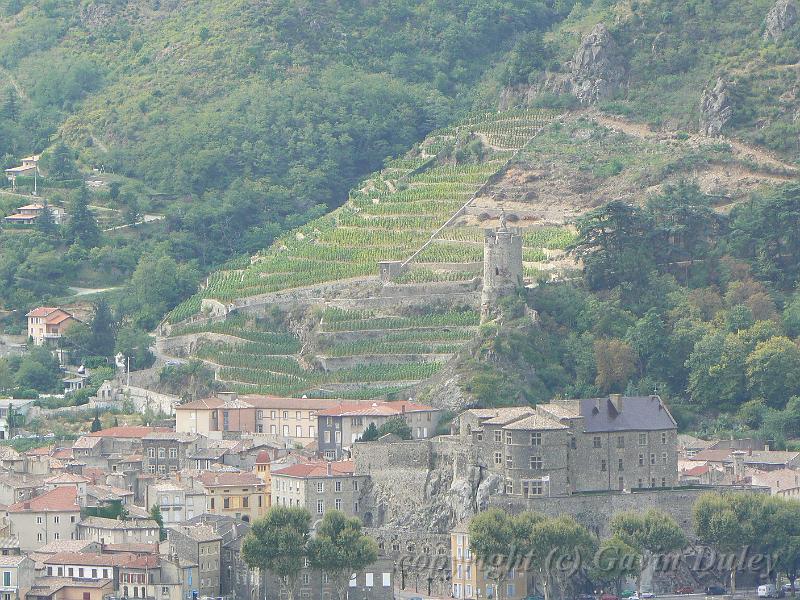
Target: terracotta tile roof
{"points": [[136, 431], [41, 451], [213, 479], [102, 522], [278, 402], [66, 478], [58, 318], [263, 457], [317, 469], [62, 453], [42, 311], [126, 560], [61, 499], [387, 409], [135, 547], [65, 546], [698, 470], [202, 404]]}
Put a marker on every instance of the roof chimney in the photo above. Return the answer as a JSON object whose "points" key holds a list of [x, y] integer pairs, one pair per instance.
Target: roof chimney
{"points": [[330, 468], [616, 401]]}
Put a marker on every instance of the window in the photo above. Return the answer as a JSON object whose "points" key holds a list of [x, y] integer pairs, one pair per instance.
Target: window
{"points": [[38, 520], [620, 441], [603, 466], [641, 459], [355, 507], [327, 437], [162, 468], [245, 502], [320, 507], [479, 436], [259, 414], [536, 463], [286, 414], [510, 590], [620, 465], [151, 468], [535, 487], [273, 429], [387, 579], [508, 438], [298, 431], [272, 414], [94, 573], [653, 482], [285, 431], [56, 519], [643, 439], [338, 504], [536, 438], [337, 486], [663, 482], [355, 485], [164, 590], [173, 453], [306, 578], [573, 443], [663, 437], [338, 436], [596, 442], [498, 436], [320, 487], [369, 582], [664, 457], [640, 483], [151, 452], [311, 432], [56, 536], [621, 484], [509, 461], [509, 486], [652, 458], [498, 458], [6, 578], [162, 453], [212, 504]]}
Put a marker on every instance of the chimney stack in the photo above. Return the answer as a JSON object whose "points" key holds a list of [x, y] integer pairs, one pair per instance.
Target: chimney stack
{"points": [[330, 468], [738, 465]]}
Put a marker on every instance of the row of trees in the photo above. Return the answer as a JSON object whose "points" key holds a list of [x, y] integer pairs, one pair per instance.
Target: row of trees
{"points": [[561, 554], [281, 541]]}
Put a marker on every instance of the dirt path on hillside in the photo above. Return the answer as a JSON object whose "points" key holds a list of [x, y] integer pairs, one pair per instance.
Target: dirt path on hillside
{"points": [[640, 130], [14, 83]]}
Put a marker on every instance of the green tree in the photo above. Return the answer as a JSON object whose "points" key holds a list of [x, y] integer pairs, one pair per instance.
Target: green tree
{"points": [[103, 329], [717, 371], [616, 363], [278, 543], [135, 344], [158, 284], [651, 533], [614, 562], [370, 433], [97, 425], [773, 371], [155, 514], [45, 223], [339, 548], [10, 105], [59, 162], [81, 228], [396, 425], [565, 540], [728, 523], [491, 536], [615, 244]]}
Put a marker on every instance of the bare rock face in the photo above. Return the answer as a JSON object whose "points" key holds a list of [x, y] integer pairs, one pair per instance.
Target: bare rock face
{"points": [[781, 17], [715, 108], [598, 68]]}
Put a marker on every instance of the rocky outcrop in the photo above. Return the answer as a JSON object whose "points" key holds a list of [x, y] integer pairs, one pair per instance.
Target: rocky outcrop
{"points": [[715, 108], [598, 67], [781, 17]]}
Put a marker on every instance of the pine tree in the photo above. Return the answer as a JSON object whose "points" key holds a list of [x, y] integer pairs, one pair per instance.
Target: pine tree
{"points": [[96, 424], [103, 329], [10, 106], [45, 223], [82, 227]]}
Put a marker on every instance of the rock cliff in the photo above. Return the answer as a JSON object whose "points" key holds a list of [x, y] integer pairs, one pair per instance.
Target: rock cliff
{"points": [[715, 108], [781, 17], [598, 68]]}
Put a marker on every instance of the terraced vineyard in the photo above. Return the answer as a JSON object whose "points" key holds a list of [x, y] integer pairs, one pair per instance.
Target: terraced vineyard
{"points": [[372, 352], [391, 216]]}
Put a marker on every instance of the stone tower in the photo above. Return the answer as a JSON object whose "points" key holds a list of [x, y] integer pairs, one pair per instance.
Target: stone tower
{"points": [[502, 265]]}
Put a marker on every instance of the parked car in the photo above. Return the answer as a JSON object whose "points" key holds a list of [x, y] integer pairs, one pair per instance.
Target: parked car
{"points": [[685, 589], [648, 595], [635, 596], [609, 597], [768, 590], [585, 597], [534, 597], [627, 593], [787, 588], [715, 590]]}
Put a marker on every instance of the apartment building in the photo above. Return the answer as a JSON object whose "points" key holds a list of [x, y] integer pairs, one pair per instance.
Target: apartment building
{"points": [[47, 518], [234, 494]]}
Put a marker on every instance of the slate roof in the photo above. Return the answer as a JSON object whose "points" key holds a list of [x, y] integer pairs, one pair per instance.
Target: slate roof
{"points": [[639, 413], [136, 431]]}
